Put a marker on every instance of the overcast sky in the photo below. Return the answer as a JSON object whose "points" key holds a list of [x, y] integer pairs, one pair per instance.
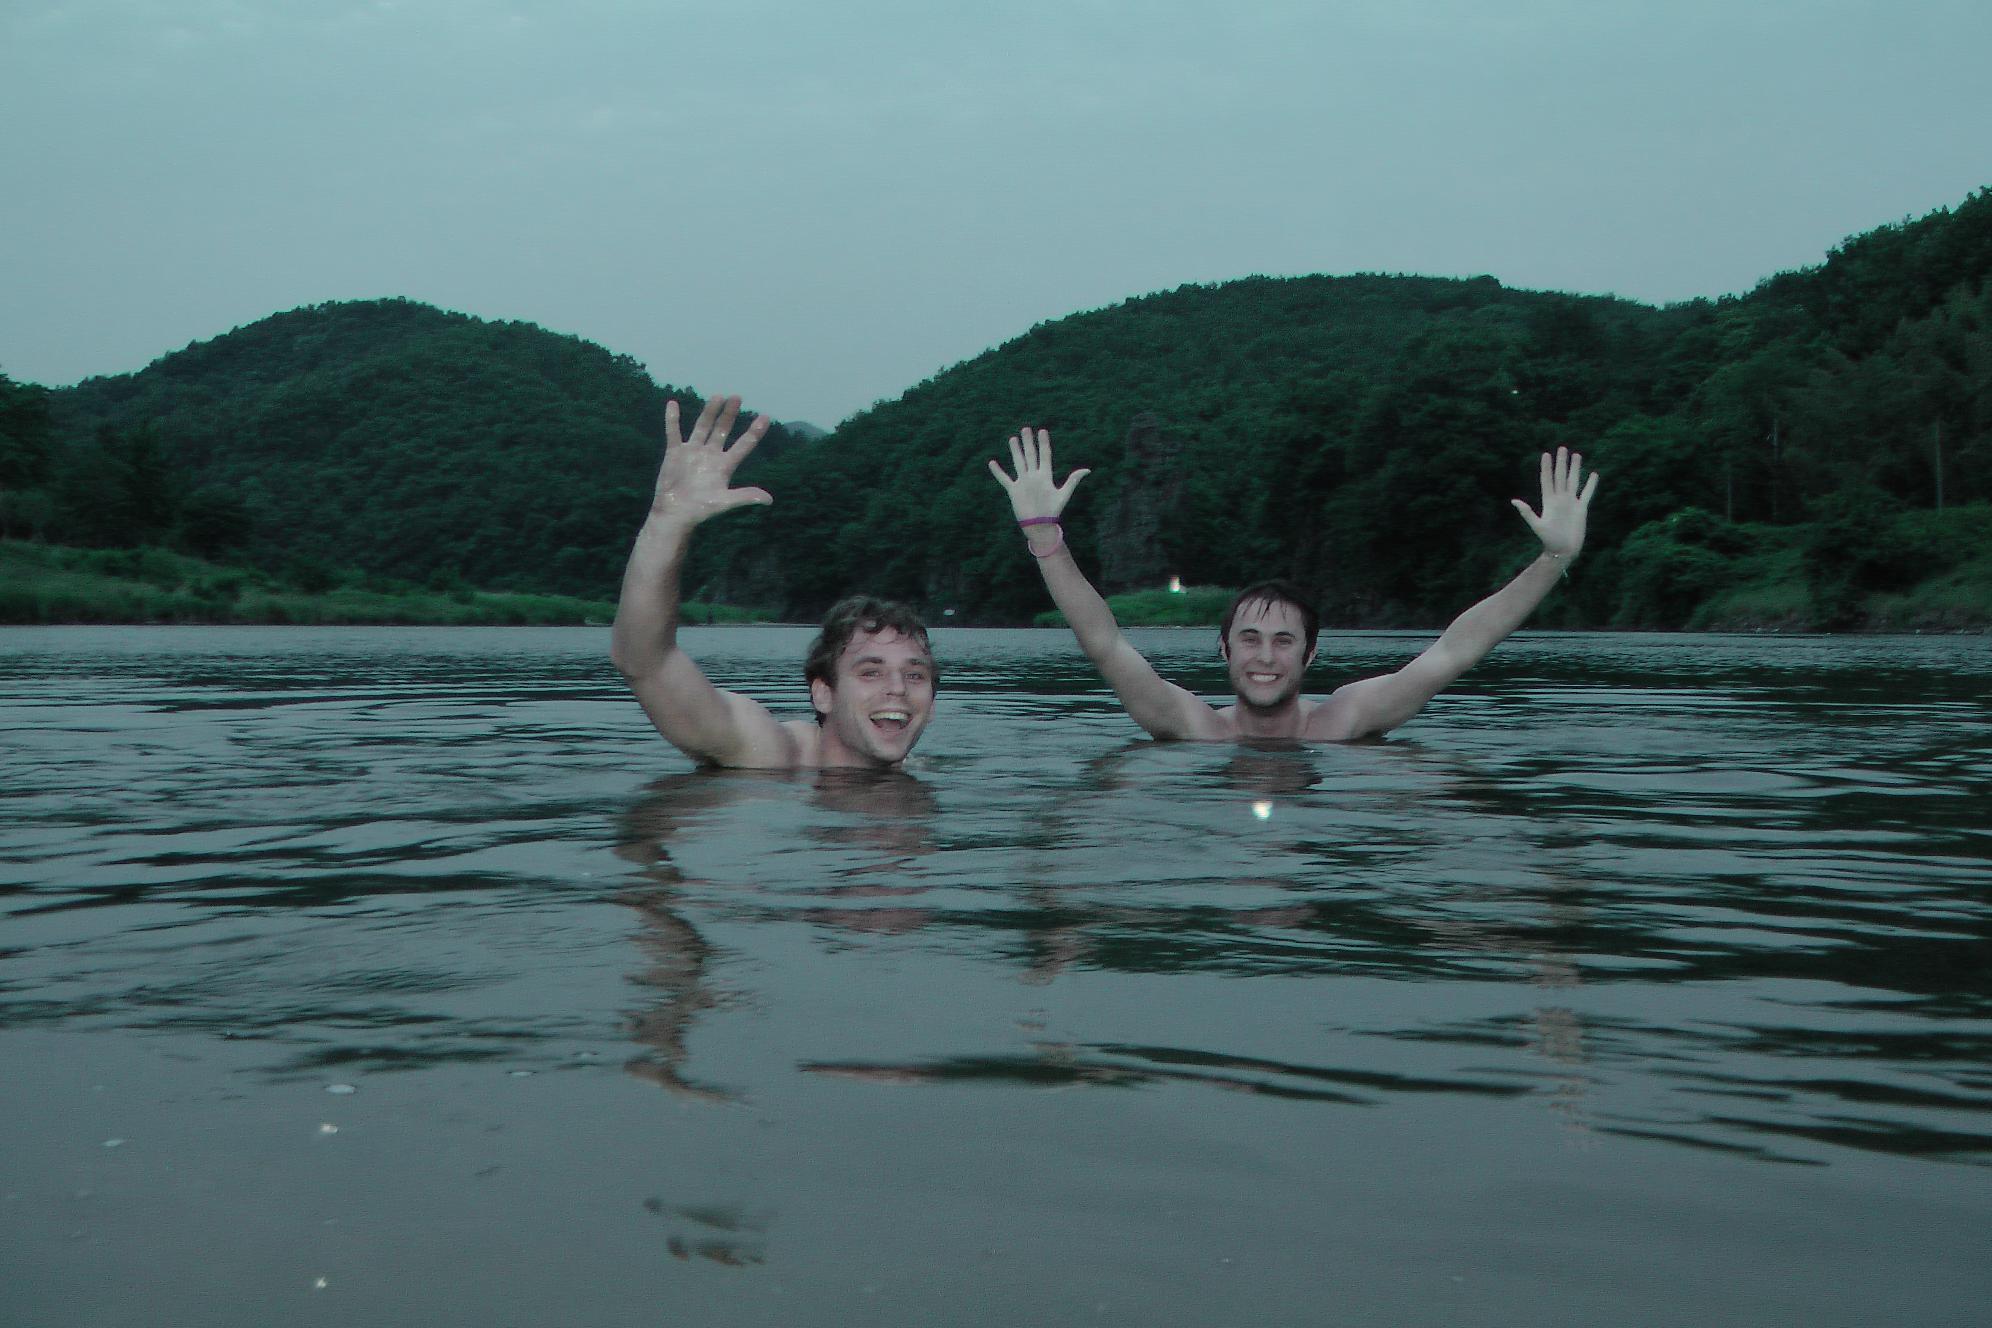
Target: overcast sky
{"points": [[817, 205]]}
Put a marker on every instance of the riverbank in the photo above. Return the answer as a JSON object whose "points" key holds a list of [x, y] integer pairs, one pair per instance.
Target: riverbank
{"points": [[50, 584], [1860, 571], [1905, 572]]}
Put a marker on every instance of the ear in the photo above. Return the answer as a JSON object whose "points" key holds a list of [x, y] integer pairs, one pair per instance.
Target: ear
{"points": [[821, 695], [1310, 657]]}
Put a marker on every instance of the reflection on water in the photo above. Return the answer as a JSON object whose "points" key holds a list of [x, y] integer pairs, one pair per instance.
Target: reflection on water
{"points": [[1691, 933], [889, 822]]}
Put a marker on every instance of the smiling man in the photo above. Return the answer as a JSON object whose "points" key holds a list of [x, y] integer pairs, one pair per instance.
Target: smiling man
{"points": [[871, 675], [1268, 634]]}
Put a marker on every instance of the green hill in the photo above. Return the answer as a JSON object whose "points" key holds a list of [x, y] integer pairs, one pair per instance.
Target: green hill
{"points": [[1239, 378], [1363, 435], [385, 436], [1775, 453]]}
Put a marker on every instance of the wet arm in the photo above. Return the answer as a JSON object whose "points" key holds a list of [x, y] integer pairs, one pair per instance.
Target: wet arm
{"points": [[693, 484], [1160, 707], [701, 720], [1377, 705]]}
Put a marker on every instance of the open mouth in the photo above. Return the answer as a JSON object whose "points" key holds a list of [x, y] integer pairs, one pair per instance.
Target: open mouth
{"points": [[1262, 679], [892, 721]]}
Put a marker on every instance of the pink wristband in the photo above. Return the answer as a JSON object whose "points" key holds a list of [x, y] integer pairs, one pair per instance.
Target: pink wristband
{"points": [[1038, 521], [1044, 521]]}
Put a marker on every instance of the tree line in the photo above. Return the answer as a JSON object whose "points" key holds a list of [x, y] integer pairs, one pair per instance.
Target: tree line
{"points": [[1361, 435]]}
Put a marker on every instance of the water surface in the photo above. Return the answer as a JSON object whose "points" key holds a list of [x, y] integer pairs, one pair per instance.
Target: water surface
{"points": [[407, 976]]}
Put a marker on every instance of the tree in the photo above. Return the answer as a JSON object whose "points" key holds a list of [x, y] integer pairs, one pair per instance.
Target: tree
{"points": [[25, 435]]}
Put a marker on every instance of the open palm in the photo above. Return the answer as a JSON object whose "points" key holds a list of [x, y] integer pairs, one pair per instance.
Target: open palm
{"points": [[1566, 504], [1034, 495], [695, 481]]}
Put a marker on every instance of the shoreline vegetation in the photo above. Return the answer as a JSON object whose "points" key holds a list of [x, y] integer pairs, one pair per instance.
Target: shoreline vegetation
{"points": [[1875, 573], [1899, 572], [49, 585]]}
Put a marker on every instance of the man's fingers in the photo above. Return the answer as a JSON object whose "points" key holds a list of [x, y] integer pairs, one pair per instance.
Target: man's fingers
{"points": [[746, 441], [1590, 487], [1044, 451], [671, 435], [1002, 477], [1065, 489], [703, 425], [742, 447], [729, 411], [743, 497], [1528, 513], [1017, 455]]}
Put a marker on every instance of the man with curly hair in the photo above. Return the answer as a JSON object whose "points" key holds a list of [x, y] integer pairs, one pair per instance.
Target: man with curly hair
{"points": [[870, 672]]}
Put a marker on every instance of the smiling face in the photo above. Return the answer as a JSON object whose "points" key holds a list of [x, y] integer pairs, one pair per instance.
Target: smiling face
{"points": [[1266, 654], [882, 698]]}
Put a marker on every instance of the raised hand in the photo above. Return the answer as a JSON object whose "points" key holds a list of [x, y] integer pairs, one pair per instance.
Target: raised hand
{"points": [[1565, 506], [1033, 494], [694, 481]]}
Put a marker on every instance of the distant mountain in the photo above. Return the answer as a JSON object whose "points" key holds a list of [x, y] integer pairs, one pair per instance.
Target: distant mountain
{"points": [[805, 431]]}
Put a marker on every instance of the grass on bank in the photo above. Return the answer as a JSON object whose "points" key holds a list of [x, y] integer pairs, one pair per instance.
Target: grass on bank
{"points": [[1899, 571], [51, 584], [1934, 574], [1192, 606]]}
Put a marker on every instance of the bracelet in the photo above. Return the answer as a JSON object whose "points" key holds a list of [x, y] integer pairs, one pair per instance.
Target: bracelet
{"points": [[1044, 521]]}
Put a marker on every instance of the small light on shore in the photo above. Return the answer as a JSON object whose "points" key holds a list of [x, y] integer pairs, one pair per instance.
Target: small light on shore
{"points": [[1263, 809], [1175, 585]]}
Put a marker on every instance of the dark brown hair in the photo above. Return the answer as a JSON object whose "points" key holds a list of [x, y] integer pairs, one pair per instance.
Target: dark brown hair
{"points": [[1270, 593], [848, 617]]}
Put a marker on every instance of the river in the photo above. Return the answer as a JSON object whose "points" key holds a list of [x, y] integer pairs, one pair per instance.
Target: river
{"points": [[406, 976]]}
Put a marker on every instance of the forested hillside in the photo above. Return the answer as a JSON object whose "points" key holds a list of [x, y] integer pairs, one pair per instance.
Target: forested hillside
{"points": [[1785, 457], [1364, 434], [1246, 385], [386, 436]]}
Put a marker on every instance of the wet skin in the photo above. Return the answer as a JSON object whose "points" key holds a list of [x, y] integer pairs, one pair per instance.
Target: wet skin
{"points": [[882, 702], [1266, 656]]}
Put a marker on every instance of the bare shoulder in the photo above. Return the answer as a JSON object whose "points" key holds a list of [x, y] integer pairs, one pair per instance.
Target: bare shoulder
{"points": [[1337, 719], [802, 744], [1204, 722], [760, 741]]}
